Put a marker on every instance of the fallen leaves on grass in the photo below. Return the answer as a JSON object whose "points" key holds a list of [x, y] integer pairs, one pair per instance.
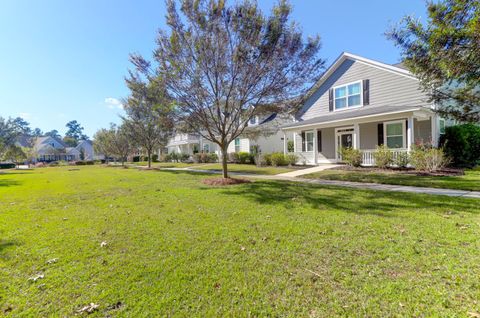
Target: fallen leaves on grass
{"points": [[53, 260], [103, 244], [474, 314], [224, 181], [34, 278], [88, 308]]}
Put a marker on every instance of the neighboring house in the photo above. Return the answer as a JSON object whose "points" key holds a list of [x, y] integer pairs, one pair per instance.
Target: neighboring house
{"points": [[49, 149], [263, 132], [361, 103], [85, 150]]}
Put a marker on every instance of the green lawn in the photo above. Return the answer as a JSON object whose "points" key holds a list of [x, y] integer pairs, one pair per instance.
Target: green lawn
{"points": [[176, 247], [470, 181], [246, 168], [167, 164]]}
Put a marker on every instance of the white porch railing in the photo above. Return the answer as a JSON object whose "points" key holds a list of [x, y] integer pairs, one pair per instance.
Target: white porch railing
{"points": [[369, 160], [305, 158]]}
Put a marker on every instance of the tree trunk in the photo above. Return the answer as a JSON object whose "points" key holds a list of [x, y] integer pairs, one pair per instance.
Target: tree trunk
{"points": [[149, 153], [224, 162]]}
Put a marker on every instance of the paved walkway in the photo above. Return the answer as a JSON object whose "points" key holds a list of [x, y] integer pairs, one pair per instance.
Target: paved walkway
{"points": [[302, 172], [349, 184]]}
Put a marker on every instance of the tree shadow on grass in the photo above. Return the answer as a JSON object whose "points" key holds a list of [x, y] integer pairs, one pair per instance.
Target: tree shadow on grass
{"points": [[380, 203], [5, 245], [9, 183], [185, 172]]}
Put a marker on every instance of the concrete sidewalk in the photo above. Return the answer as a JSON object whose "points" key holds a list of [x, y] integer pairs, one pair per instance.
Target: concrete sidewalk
{"points": [[349, 184]]}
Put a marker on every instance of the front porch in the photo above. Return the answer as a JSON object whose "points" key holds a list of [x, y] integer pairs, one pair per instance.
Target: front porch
{"points": [[321, 142]]}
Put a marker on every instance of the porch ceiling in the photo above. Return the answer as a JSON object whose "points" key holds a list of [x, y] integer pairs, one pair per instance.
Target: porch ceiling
{"points": [[362, 114]]}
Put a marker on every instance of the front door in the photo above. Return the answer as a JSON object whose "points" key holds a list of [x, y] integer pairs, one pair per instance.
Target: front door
{"points": [[344, 140]]}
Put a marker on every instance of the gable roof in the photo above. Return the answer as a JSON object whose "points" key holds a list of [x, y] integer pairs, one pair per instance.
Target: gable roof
{"points": [[42, 141], [398, 69]]}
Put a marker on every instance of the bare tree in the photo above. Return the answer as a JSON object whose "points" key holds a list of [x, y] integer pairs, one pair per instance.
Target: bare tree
{"points": [[225, 64], [149, 120]]}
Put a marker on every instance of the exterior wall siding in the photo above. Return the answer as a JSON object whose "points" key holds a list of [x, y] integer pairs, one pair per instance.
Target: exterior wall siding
{"points": [[386, 88]]}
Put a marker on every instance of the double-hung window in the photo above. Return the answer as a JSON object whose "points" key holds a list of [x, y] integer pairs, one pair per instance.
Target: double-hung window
{"points": [[348, 96], [309, 140], [395, 134], [441, 124], [206, 148], [253, 121], [237, 144]]}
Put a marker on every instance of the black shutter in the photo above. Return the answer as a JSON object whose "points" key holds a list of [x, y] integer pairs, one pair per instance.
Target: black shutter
{"points": [[303, 141], [380, 134], [366, 92], [319, 141], [330, 100]]}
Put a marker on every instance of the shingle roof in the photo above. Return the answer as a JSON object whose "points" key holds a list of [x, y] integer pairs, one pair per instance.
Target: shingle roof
{"points": [[352, 114]]}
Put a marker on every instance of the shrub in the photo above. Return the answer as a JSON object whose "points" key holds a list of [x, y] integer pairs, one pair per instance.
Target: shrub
{"points": [[154, 158], [7, 165], [183, 157], [173, 156], [291, 159], [402, 160], [290, 146], [428, 159], [83, 163], [383, 157], [136, 159], [204, 157], [244, 157], [462, 144], [352, 157], [267, 159], [278, 159]]}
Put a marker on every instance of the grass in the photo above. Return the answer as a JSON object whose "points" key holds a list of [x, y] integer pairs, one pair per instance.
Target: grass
{"points": [[176, 247], [247, 168], [470, 181], [167, 164]]}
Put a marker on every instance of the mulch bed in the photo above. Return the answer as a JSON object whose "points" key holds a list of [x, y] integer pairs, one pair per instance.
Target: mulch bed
{"points": [[224, 181], [446, 172]]}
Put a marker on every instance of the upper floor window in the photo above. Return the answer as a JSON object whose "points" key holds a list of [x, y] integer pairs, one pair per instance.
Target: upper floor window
{"points": [[348, 96], [253, 120]]}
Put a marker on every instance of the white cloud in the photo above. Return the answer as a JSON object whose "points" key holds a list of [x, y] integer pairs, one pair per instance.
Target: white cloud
{"points": [[25, 116], [113, 103]]}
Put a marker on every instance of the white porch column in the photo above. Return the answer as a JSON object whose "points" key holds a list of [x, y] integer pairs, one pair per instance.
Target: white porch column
{"points": [[315, 146], [410, 133], [285, 143], [434, 130], [356, 136], [294, 142]]}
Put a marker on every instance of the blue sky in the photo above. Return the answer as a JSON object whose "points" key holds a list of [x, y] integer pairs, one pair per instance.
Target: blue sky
{"points": [[63, 60]]}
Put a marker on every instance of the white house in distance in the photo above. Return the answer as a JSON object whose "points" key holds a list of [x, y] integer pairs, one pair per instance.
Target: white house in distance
{"points": [[361, 103], [49, 149], [263, 132]]}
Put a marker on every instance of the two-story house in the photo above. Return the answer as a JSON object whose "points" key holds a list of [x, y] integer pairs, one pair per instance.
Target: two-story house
{"points": [[263, 132], [361, 103]]}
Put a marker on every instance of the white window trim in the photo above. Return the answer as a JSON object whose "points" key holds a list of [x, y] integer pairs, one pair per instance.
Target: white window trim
{"points": [[404, 133], [206, 148], [346, 96], [313, 140], [239, 144]]}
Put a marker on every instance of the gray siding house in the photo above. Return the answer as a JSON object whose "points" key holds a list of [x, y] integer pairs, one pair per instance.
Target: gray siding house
{"points": [[361, 103]]}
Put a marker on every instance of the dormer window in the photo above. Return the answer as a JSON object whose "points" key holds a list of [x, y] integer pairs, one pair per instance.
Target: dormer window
{"points": [[253, 121], [348, 96]]}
